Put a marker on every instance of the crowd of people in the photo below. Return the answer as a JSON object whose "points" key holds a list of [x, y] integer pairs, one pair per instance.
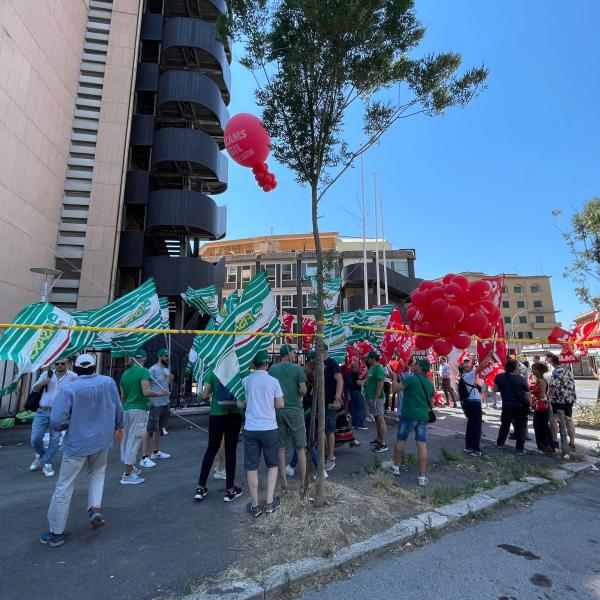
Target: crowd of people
{"points": [[276, 421]]}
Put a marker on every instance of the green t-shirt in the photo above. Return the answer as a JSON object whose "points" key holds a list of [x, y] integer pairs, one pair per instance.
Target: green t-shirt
{"points": [[289, 376], [415, 404], [132, 387], [376, 374], [215, 408]]}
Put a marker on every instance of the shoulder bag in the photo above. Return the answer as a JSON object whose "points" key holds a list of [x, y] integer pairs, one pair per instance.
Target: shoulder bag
{"points": [[432, 417], [33, 400]]}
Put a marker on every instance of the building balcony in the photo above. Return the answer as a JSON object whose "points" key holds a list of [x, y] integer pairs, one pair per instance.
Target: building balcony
{"points": [[184, 212], [142, 130], [193, 44], [207, 10], [146, 79], [188, 158], [187, 96], [151, 28], [173, 275], [132, 249], [137, 185]]}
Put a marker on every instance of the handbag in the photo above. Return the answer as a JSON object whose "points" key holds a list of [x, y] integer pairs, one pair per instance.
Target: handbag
{"points": [[33, 400], [432, 417]]}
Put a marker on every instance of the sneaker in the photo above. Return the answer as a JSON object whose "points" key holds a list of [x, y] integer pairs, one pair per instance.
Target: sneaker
{"points": [[163, 431], [136, 470], [374, 442], [219, 474], [147, 463], [394, 469], [380, 448], [476, 453], [468, 450], [499, 445], [423, 481], [132, 479], [255, 511], [566, 456], [231, 496], [271, 508], [354, 444], [159, 454], [54, 540], [324, 473], [48, 470], [370, 419], [36, 464], [200, 494], [290, 471], [329, 464], [96, 518], [361, 428]]}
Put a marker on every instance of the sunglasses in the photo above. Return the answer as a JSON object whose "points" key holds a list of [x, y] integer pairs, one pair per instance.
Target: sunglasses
{"points": [[60, 364]]}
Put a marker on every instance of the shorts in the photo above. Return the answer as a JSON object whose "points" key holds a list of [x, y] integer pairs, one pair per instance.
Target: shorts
{"points": [[330, 421], [377, 407], [568, 408], [407, 425], [158, 417], [292, 430], [256, 442]]}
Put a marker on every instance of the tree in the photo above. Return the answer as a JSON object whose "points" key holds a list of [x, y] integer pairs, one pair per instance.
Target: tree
{"points": [[584, 243], [313, 60]]}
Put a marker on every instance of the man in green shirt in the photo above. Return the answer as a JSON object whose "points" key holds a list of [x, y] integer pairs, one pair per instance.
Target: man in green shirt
{"points": [[225, 420], [290, 418], [376, 399], [419, 394], [135, 395]]}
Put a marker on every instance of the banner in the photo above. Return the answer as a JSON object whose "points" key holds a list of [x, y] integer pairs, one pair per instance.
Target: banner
{"points": [[309, 326], [378, 316], [229, 304], [400, 344], [331, 295], [204, 300]]}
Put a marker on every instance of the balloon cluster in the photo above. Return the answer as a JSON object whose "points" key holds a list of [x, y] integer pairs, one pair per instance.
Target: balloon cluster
{"points": [[451, 310], [247, 142]]}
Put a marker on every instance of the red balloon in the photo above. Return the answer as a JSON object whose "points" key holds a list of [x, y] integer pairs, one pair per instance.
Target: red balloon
{"points": [[461, 340], [444, 328], [442, 346], [490, 310], [274, 185], [479, 290], [487, 332], [448, 278], [462, 281], [476, 322], [427, 327], [267, 187], [433, 293], [422, 342], [246, 140], [454, 314], [426, 285], [419, 299], [454, 292], [437, 306], [411, 312]]}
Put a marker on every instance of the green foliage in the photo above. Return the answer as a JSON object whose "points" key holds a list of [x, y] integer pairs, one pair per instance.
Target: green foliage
{"points": [[451, 455], [583, 241]]}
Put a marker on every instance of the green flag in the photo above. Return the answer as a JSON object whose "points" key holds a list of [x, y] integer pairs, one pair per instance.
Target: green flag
{"points": [[228, 305], [335, 337], [331, 294], [378, 316], [204, 300]]}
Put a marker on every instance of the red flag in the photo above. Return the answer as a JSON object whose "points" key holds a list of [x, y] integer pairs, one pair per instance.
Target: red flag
{"points": [[400, 343], [286, 321], [560, 336], [566, 356], [497, 284], [309, 326]]}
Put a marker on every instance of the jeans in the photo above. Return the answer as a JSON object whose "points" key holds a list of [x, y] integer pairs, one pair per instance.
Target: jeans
{"points": [[516, 415], [228, 425], [541, 426], [474, 418], [357, 409], [41, 423], [69, 469]]}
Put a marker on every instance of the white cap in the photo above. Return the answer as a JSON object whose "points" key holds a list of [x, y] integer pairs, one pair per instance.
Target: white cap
{"points": [[85, 360]]}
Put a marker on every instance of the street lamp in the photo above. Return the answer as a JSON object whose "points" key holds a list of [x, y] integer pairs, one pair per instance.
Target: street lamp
{"points": [[51, 277]]}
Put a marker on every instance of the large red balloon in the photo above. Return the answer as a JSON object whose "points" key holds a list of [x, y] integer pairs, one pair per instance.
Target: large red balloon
{"points": [[246, 140], [426, 285], [462, 281], [448, 278], [422, 342], [479, 290], [442, 346], [433, 293], [454, 292], [427, 328], [491, 311], [411, 312], [476, 323], [419, 298], [437, 307], [454, 314], [486, 332], [461, 340], [444, 328]]}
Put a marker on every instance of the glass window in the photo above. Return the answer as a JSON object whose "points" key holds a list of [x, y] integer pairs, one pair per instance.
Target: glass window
{"points": [[520, 304], [270, 270], [246, 274], [521, 335], [529, 335], [507, 319], [505, 304], [504, 289], [286, 301], [537, 304], [232, 275], [287, 272], [518, 289], [310, 269], [522, 319], [539, 318], [399, 265], [535, 289]]}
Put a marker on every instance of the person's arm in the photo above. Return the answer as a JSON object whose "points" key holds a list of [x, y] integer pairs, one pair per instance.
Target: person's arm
{"points": [[494, 393], [206, 391], [378, 388], [279, 403], [302, 388], [543, 385], [483, 364], [339, 388], [118, 436], [61, 410], [41, 382], [145, 384]]}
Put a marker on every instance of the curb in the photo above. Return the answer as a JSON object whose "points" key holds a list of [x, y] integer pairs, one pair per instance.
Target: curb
{"points": [[278, 578]]}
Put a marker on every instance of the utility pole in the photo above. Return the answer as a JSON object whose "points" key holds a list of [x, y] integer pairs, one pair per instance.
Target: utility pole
{"points": [[377, 295], [385, 278], [364, 233]]}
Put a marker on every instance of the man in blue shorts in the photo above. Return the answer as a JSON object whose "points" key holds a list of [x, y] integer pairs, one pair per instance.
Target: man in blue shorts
{"points": [[418, 399]]}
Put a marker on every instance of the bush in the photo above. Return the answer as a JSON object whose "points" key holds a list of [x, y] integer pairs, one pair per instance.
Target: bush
{"points": [[588, 413]]}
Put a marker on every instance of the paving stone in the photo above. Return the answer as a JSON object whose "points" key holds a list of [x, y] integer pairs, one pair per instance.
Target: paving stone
{"points": [[481, 502], [535, 481], [577, 467], [561, 474], [510, 490], [456, 510], [234, 590], [433, 520]]}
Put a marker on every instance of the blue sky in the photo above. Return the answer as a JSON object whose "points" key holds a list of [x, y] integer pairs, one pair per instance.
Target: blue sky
{"points": [[474, 189]]}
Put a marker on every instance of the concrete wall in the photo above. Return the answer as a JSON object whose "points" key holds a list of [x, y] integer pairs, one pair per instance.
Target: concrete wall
{"points": [[40, 52]]}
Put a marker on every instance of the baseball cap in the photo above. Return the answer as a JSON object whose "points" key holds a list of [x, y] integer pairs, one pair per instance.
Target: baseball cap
{"points": [[163, 352], [85, 360], [261, 358], [286, 349], [373, 354], [425, 365], [140, 353], [311, 354]]}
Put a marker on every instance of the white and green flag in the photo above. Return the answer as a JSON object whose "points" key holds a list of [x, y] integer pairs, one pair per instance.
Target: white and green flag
{"points": [[229, 304], [378, 316], [335, 337], [331, 295], [31, 349], [204, 300]]}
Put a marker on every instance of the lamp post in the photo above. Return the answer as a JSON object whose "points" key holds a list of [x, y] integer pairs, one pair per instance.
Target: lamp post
{"points": [[51, 277]]}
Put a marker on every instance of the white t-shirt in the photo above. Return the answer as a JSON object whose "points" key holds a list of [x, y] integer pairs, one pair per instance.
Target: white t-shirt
{"points": [[470, 379], [445, 372], [53, 386], [261, 391]]}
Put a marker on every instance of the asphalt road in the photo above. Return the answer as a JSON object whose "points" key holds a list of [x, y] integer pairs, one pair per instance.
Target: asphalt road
{"points": [[548, 551]]}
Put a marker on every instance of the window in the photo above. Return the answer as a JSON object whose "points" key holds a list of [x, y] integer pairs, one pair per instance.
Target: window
{"points": [[537, 304], [287, 272], [521, 335], [539, 318], [528, 335], [507, 319], [520, 304], [246, 274], [310, 269], [232, 275], [518, 289], [270, 270], [522, 319], [504, 289], [286, 301], [399, 266], [535, 289], [505, 304]]}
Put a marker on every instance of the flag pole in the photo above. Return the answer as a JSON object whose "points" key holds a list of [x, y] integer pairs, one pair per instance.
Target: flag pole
{"points": [[378, 283], [385, 278], [364, 233]]}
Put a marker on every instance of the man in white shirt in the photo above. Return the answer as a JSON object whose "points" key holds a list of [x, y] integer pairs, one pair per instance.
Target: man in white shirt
{"points": [[263, 396], [445, 377], [49, 386]]}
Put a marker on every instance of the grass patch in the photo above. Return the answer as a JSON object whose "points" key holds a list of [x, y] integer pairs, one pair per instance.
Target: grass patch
{"points": [[442, 494], [411, 459], [588, 413], [451, 455]]}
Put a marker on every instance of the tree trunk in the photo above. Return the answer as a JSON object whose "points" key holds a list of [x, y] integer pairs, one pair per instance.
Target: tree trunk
{"points": [[319, 388]]}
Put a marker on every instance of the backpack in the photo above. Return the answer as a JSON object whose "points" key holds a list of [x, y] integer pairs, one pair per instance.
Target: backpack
{"points": [[463, 392], [225, 399]]}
